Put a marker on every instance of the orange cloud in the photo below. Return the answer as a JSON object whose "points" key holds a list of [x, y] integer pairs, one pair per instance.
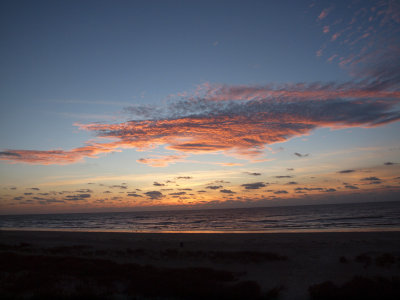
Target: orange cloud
{"points": [[60, 157], [234, 128]]}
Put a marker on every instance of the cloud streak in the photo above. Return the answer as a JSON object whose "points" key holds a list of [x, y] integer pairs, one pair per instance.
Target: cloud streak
{"points": [[241, 128], [161, 160]]}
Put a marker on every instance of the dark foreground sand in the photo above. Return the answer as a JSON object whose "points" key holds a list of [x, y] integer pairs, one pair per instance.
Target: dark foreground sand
{"points": [[91, 265]]}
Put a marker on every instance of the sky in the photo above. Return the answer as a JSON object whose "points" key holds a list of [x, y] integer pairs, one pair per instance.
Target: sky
{"points": [[153, 105]]}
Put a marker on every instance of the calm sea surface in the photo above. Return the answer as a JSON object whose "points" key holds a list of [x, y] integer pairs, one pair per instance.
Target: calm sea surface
{"points": [[336, 217]]}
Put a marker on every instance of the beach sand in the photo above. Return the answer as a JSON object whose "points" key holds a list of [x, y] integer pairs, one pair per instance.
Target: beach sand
{"points": [[183, 266]]}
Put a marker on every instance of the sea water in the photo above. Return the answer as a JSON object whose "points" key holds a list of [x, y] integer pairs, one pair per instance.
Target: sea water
{"points": [[333, 217]]}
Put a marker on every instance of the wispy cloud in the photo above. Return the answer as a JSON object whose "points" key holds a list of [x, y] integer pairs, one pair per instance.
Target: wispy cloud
{"points": [[369, 36], [324, 13], [60, 157], [161, 160], [301, 155], [346, 171], [253, 173]]}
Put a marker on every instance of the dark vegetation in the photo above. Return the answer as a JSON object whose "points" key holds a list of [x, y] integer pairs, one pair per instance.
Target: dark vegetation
{"points": [[68, 277], [170, 254], [384, 260], [224, 256], [359, 288]]}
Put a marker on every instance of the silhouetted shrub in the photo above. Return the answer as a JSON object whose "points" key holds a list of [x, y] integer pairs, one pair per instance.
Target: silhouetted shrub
{"points": [[385, 260], [359, 288], [68, 277], [364, 259]]}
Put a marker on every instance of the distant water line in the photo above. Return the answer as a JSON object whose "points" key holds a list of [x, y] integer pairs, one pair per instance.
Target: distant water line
{"points": [[377, 216]]}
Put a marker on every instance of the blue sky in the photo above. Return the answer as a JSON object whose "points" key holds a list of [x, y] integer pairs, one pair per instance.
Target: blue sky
{"points": [[71, 67]]}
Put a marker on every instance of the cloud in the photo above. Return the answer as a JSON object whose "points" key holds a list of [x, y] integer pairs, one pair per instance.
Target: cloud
{"points": [[301, 155], [253, 173], [330, 190], [84, 191], [134, 195], [227, 192], [178, 193], [184, 177], [324, 13], [239, 128], [221, 181], [161, 160], [77, 197], [253, 186], [351, 187], [214, 187], [284, 176], [229, 164], [389, 163], [346, 171], [60, 157], [280, 192], [292, 183], [372, 178], [118, 186], [308, 189], [6, 154], [154, 195], [369, 39], [54, 201], [158, 184]]}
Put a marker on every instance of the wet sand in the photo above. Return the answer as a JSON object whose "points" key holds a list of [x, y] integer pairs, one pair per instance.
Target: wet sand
{"points": [[186, 266]]}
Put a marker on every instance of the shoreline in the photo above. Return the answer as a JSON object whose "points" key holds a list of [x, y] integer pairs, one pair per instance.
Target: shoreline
{"points": [[278, 231]]}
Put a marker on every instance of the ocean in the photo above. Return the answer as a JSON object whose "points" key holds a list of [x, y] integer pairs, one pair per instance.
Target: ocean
{"points": [[332, 217]]}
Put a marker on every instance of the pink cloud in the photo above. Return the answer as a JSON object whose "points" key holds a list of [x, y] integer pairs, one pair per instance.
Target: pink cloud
{"points": [[162, 160], [335, 36], [324, 13], [236, 128]]}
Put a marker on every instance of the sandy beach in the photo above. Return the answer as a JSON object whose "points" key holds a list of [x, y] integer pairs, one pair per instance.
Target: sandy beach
{"points": [[186, 266]]}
